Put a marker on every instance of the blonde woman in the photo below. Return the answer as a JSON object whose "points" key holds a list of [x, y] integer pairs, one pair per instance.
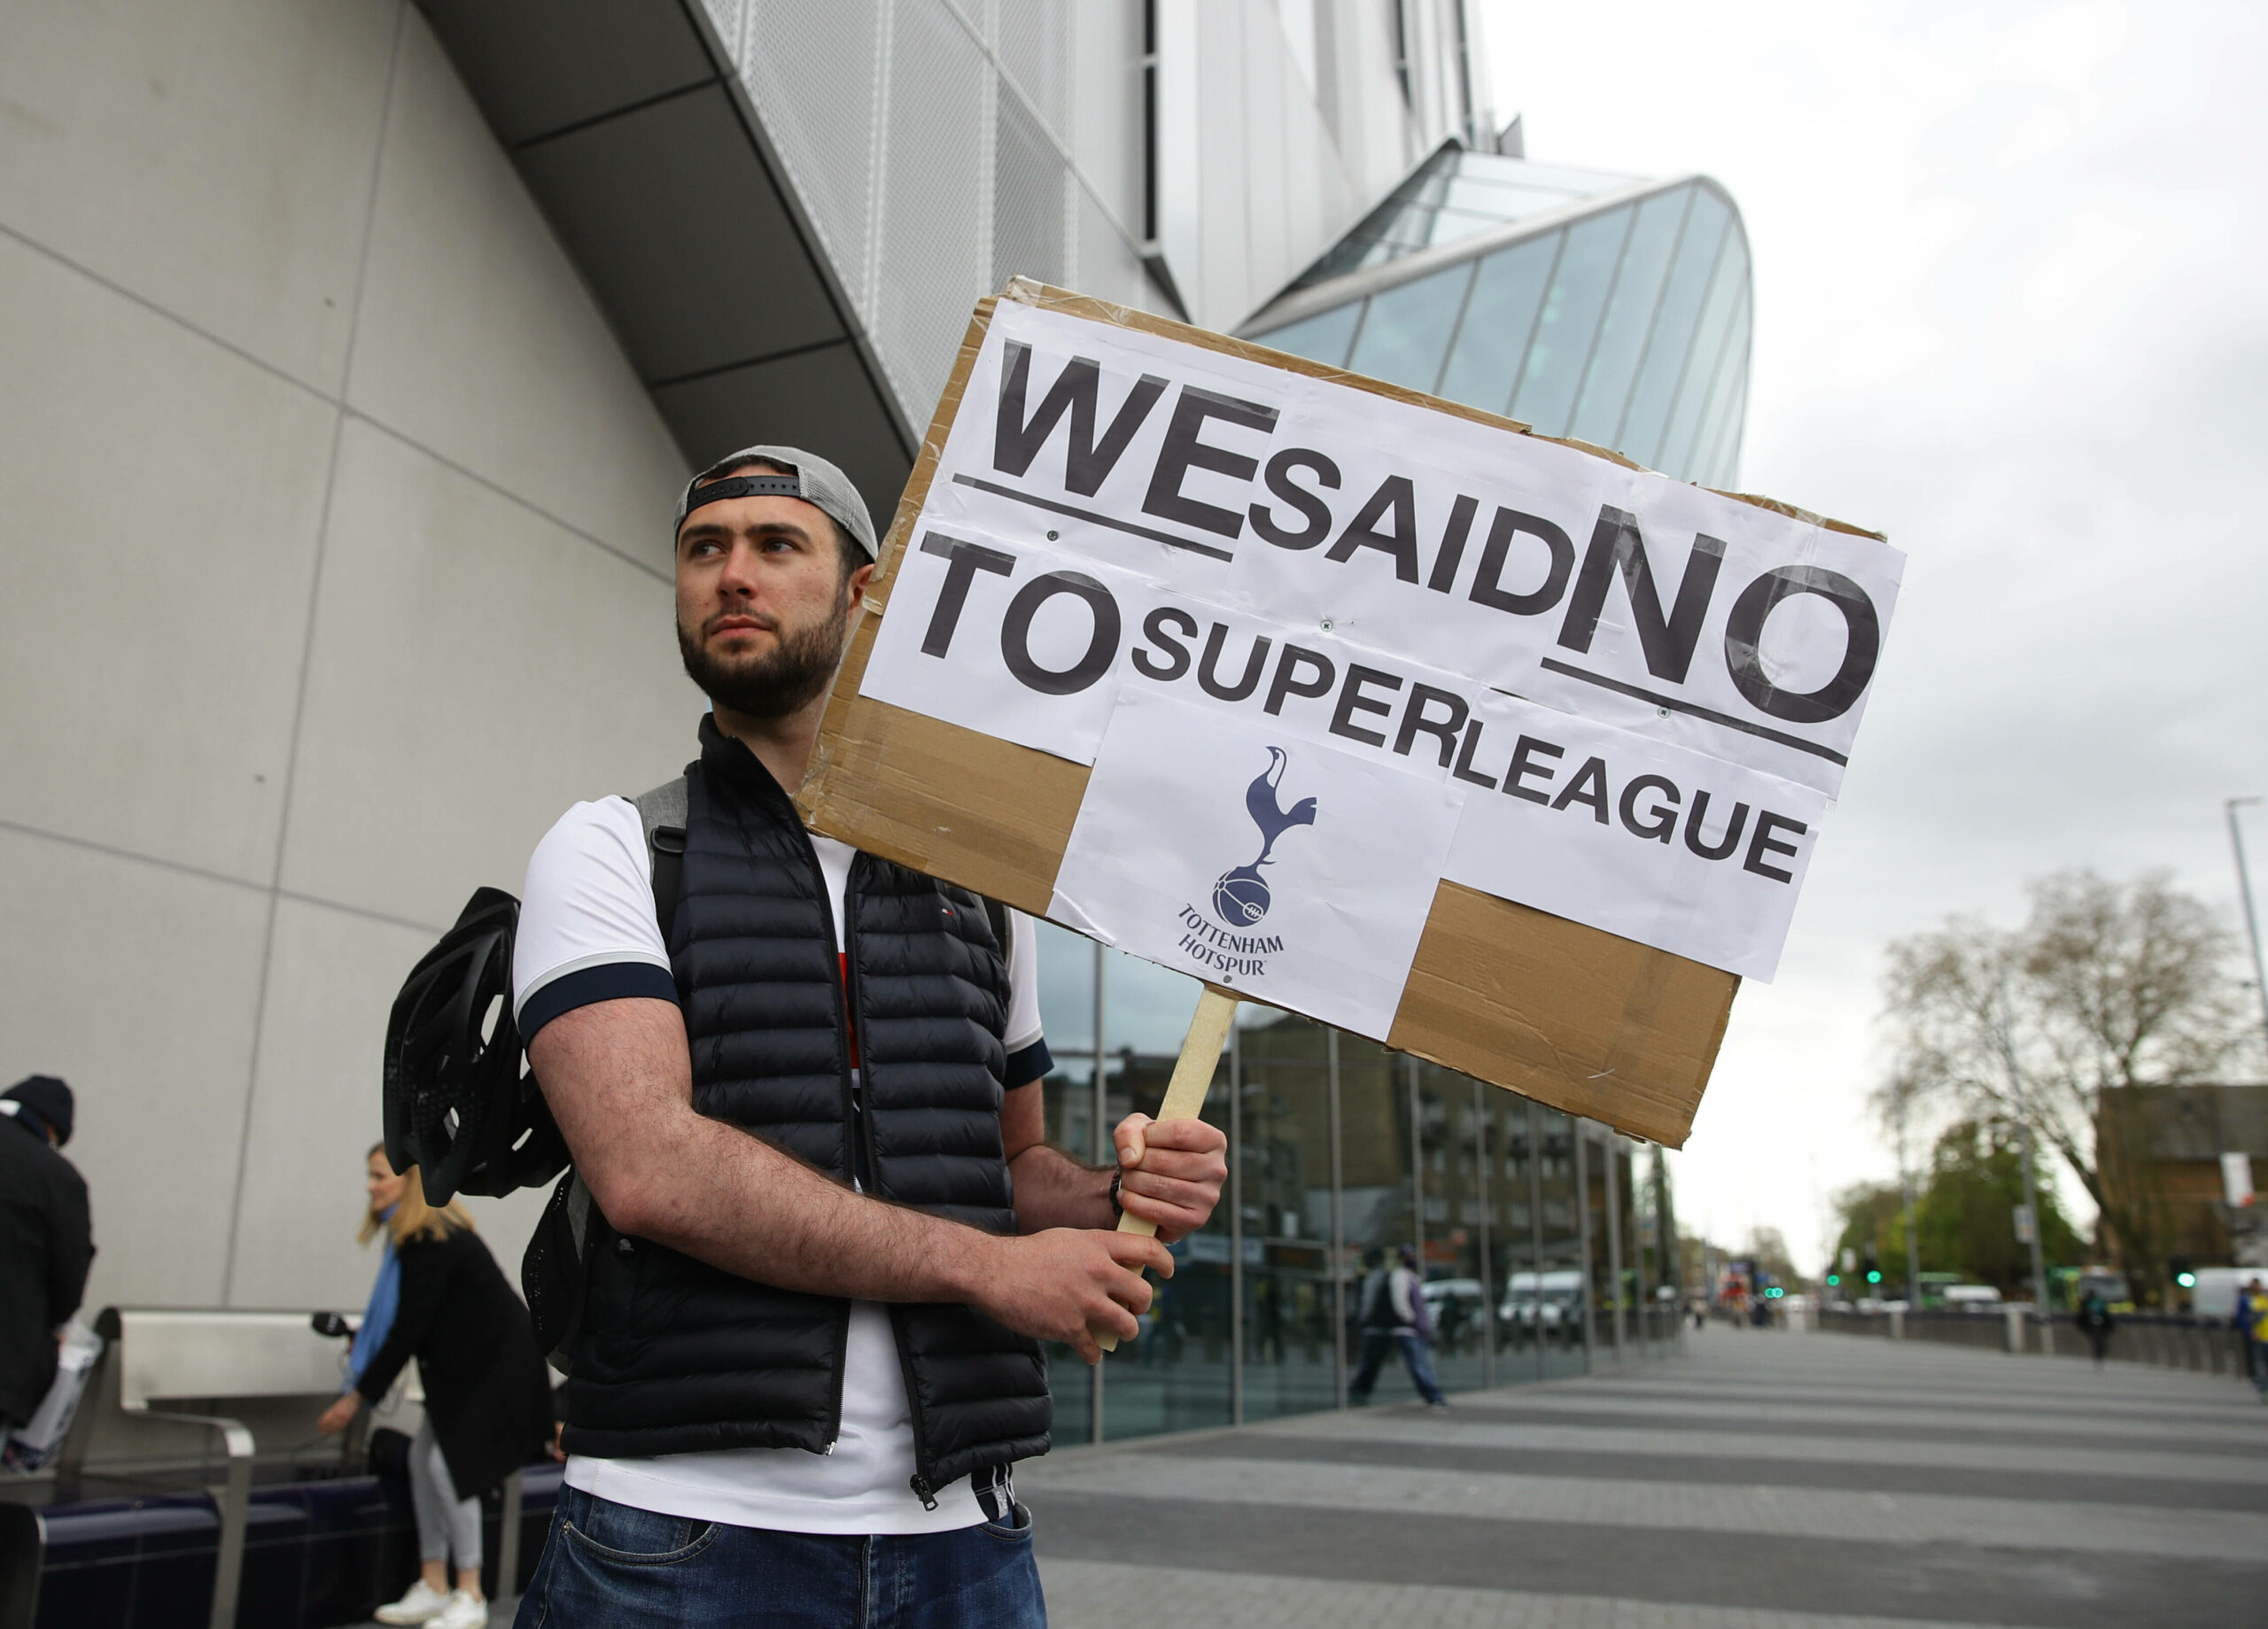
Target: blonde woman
{"points": [[440, 1298]]}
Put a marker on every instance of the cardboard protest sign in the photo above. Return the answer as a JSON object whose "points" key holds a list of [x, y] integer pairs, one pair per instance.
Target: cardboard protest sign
{"points": [[1494, 747]]}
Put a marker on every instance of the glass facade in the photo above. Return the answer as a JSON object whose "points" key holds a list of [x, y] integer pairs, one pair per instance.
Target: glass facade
{"points": [[1455, 195], [1585, 305], [1341, 1151]]}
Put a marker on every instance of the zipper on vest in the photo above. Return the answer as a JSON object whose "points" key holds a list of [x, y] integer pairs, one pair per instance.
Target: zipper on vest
{"points": [[863, 1128], [850, 1107], [924, 1486], [862, 1116]]}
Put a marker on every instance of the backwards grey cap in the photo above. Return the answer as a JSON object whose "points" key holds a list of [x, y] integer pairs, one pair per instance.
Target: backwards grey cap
{"points": [[814, 479]]}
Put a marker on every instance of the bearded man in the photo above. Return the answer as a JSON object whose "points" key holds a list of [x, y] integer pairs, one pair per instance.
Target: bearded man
{"points": [[827, 1235]]}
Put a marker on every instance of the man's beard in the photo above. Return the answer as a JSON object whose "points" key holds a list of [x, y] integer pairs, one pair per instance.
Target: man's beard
{"points": [[795, 672]]}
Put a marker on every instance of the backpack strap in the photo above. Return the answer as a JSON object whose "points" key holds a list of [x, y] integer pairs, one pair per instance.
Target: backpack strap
{"points": [[555, 1273], [662, 811]]}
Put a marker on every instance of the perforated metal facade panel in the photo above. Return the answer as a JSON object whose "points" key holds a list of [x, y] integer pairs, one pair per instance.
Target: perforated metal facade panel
{"points": [[1033, 40], [813, 71], [1029, 220], [934, 228], [938, 147]]}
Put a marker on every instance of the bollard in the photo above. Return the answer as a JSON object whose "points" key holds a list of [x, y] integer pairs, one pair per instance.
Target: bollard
{"points": [[2016, 1316], [1898, 1323]]}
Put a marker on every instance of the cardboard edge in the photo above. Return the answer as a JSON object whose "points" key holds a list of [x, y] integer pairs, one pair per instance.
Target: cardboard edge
{"points": [[810, 795], [933, 450]]}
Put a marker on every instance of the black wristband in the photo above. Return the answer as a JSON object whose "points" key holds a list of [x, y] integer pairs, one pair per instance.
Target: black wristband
{"points": [[1116, 1177]]}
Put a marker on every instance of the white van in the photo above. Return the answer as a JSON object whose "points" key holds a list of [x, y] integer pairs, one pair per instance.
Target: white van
{"points": [[2213, 1297], [1543, 1300]]}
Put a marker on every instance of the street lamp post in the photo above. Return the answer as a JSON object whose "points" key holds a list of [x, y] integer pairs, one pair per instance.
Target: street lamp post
{"points": [[1912, 1245], [2032, 1218], [2244, 892]]}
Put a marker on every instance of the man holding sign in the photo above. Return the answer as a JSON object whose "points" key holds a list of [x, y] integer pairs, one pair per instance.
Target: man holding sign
{"points": [[803, 1090]]}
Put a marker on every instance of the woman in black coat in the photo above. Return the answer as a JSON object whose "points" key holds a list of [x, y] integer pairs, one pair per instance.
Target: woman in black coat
{"points": [[487, 1395]]}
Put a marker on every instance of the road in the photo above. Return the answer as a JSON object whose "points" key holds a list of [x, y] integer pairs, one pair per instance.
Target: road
{"points": [[1764, 1481]]}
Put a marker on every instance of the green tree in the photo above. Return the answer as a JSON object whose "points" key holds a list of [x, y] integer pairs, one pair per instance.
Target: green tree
{"points": [[1873, 1230], [1966, 1217], [2107, 986]]}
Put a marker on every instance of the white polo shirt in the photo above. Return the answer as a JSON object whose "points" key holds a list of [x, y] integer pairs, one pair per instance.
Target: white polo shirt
{"points": [[588, 933]]}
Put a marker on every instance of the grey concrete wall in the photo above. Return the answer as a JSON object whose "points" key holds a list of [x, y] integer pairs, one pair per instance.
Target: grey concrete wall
{"points": [[335, 554]]}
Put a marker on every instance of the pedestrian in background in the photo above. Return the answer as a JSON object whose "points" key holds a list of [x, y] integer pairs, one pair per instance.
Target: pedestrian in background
{"points": [[2251, 1320], [46, 1241], [2096, 1323], [1395, 1314], [440, 1298]]}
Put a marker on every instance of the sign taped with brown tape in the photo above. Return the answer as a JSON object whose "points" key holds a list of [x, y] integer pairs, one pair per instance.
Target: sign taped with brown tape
{"points": [[1353, 701]]}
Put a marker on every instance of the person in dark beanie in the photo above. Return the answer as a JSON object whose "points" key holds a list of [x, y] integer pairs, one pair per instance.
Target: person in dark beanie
{"points": [[46, 1241]]}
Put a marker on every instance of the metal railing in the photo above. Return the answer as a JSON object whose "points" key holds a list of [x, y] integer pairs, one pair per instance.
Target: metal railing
{"points": [[2162, 1342], [2149, 1338]]}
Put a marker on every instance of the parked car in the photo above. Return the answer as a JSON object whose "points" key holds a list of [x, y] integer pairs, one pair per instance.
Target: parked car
{"points": [[1971, 1297], [1545, 1301]]}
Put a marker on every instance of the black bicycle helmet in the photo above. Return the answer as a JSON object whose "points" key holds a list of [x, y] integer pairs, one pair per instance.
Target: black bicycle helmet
{"points": [[460, 1103]]}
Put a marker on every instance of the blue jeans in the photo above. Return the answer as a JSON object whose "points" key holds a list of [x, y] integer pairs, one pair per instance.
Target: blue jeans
{"points": [[612, 1566], [1376, 1344]]}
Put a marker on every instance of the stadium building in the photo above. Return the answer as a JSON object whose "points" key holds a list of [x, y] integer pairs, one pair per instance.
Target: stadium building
{"points": [[375, 338]]}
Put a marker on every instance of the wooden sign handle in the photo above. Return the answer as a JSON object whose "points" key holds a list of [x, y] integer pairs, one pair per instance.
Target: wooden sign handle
{"points": [[1193, 1077]]}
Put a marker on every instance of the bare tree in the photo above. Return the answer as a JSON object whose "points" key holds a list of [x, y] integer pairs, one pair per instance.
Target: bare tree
{"points": [[2107, 986]]}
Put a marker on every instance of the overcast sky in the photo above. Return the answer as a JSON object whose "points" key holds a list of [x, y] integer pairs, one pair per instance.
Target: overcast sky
{"points": [[2009, 310]]}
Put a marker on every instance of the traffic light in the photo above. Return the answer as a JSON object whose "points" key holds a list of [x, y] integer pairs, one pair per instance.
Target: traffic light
{"points": [[1833, 1279], [1874, 1276]]}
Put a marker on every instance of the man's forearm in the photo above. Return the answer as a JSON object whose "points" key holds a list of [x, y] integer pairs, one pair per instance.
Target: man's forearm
{"points": [[744, 1205], [1055, 1191], [660, 1171]]}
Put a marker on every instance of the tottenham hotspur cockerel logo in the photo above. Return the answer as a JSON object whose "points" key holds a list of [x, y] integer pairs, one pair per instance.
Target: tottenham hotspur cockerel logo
{"points": [[1240, 897]]}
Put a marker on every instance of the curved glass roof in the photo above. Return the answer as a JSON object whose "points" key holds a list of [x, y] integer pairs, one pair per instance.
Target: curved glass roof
{"points": [[1453, 195], [1591, 306]]}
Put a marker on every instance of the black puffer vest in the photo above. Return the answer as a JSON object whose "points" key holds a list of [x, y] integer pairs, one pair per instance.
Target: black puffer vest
{"points": [[676, 1356]]}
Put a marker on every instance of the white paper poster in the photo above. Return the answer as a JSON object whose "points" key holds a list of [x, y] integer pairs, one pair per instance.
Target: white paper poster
{"points": [[1290, 872], [1670, 848], [1522, 565], [1023, 641], [1522, 667]]}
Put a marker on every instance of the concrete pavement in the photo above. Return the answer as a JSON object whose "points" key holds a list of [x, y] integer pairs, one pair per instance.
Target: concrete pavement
{"points": [[1795, 1481]]}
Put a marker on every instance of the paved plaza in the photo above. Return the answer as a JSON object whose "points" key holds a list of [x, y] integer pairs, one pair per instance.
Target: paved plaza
{"points": [[1794, 1481]]}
